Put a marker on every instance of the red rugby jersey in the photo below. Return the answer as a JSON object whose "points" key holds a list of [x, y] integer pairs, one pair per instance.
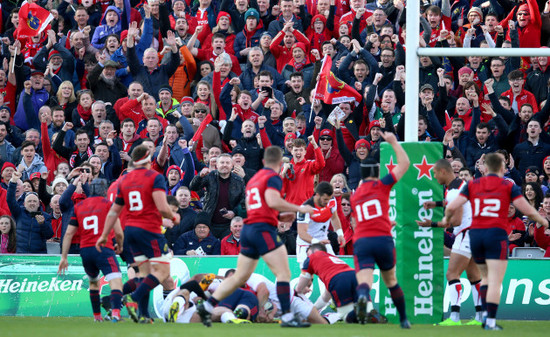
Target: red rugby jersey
{"points": [[325, 265], [135, 191], [490, 197], [90, 215], [256, 206], [370, 206]]}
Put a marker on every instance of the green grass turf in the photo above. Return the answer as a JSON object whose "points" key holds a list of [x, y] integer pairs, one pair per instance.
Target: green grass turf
{"points": [[84, 327]]}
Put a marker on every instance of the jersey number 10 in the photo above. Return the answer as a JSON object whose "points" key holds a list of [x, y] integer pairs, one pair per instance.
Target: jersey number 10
{"points": [[368, 210]]}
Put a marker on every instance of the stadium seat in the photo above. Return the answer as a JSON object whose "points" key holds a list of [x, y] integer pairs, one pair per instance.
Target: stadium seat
{"points": [[528, 252]]}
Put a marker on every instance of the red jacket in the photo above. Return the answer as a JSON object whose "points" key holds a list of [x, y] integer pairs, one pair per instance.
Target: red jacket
{"points": [[524, 97], [282, 54], [529, 36], [230, 246], [4, 209], [299, 187], [51, 158], [542, 240]]}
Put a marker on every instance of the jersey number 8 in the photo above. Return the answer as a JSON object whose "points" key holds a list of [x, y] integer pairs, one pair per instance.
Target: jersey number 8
{"points": [[134, 197], [364, 210], [253, 198]]}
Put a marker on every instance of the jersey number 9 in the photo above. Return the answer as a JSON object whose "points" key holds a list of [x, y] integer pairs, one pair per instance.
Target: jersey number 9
{"points": [[90, 222]]}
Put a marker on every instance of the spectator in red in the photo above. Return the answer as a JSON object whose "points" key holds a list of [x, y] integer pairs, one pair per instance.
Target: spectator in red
{"points": [[230, 244], [298, 181], [334, 163], [289, 36], [542, 235], [516, 229], [529, 24]]}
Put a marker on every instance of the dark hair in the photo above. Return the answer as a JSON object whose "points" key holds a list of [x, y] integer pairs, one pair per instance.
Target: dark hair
{"points": [[538, 193], [139, 153], [27, 143], [81, 132], [171, 200], [423, 118], [12, 237], [458, 119], [514, 74], [299, 142], [505, 99], [317, 246], [465, 168], [297, 74], [324, 188], [443, 164], [370, 168], [128, 120], [483, 126], [493, 162], [218, 36], [265, 73]]}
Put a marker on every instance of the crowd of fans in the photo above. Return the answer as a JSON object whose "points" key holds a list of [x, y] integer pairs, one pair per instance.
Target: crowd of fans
{"points": [[208, 84]]}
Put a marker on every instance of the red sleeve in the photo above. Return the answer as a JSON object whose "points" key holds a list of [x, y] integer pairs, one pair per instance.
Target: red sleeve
{"points": [[265, 138], [46, 148], [319, 162], [127, 111], [536, 20], [202, 54], [542, 239], [205, 35], [302, 38], [236, 66], [275, 47]]}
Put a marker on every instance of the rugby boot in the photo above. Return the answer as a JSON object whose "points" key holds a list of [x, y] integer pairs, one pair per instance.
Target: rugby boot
{"points": [[206, 317]]}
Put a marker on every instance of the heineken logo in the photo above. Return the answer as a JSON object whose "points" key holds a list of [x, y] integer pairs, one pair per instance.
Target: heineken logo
{"points": [[423, 275], [54, 284], [424, 169]]}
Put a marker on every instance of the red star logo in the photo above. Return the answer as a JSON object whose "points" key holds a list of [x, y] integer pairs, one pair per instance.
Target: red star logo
{"points": [[424, 169], [390, 165]]}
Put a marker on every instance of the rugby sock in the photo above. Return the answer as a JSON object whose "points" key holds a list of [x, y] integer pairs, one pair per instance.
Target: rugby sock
{"points": [[194, 287], [227, 316], [455, 290], [491, 314], [283, 293], [399, 301], [116, 301], [477, 298], [143, 305], [211, 304], [483, 296], [96, 305], [148, 284], [363, 290], [165, 293], [130, 286]]}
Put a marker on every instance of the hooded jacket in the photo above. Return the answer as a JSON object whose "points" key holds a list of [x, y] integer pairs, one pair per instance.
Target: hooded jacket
{"points": [[37, 165], [102, 31], [246, 39]]}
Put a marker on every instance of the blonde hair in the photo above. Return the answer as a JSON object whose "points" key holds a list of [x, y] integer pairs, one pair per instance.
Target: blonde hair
{"points": [[59, 94]]}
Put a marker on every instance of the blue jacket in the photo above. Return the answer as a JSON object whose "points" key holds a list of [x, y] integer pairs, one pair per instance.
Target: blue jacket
{"points": [[187, 221], [102, 31], [247, 77], [240, 43], [38, 98], [120, 56], [67, 207], [31, 236], [189, 241], [155, 80]]}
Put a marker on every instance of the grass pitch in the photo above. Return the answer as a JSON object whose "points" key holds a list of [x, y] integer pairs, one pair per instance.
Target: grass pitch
{"points": [[85, 327]]}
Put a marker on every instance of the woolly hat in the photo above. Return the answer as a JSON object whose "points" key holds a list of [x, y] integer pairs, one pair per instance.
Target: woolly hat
{"points": [[300, 45], [123, 35], [35, 175], [465, 70], [174, 167], [374, 124], [252, 12], [59, 179], [188, 100], [524, 8], [8, 164], [362, 143], [476, 10], [290, 135], [53, 53], [222, 14], [532, 169], [166, 88], [237, 149], [202, 218]]}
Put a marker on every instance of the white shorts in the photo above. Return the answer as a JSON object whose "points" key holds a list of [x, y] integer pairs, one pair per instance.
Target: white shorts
{"points": [[301, 305], [301, 252], [184, 316], [462, 244]]}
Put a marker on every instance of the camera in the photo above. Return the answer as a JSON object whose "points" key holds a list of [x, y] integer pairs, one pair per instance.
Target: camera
{"points": [[34, 214], [223, 211]]}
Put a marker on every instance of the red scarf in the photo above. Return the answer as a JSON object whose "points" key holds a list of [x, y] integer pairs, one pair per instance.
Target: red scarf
{"points": [[84, 114], [246, 114]]}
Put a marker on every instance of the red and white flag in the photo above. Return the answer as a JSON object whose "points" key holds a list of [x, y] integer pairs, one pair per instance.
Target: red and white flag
{"points": [[332, 90], [33, 19]]}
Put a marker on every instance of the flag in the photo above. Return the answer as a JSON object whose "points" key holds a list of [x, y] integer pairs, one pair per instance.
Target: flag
{"points": [[33, 19], [332, 90], [201, 128]]}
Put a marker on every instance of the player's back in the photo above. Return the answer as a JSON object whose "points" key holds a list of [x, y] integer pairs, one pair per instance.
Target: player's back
{"points": [[135, 190], [111, 196], [325, 265], [90, 215], [256, 205], [490, 197], [370, 206]]}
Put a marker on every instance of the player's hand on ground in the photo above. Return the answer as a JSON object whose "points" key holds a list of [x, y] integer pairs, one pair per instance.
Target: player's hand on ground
{"points": [[429, 204], [63, 265], [306, 209]]}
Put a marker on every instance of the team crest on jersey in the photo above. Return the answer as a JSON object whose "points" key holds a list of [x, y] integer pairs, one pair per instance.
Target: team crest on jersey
{"points": [[33, 22]]}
